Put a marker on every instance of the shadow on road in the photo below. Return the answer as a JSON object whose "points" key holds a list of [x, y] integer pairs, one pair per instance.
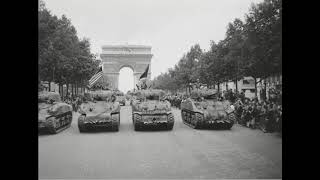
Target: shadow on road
{"points": [[44, 132], [98, 132], [152, 130]]}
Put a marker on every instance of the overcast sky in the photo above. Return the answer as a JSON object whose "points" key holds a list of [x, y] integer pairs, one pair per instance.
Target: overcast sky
{"points": [[171, 27]]}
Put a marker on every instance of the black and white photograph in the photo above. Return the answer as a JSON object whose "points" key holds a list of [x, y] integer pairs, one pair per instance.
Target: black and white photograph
{"points": [[160, 89]]}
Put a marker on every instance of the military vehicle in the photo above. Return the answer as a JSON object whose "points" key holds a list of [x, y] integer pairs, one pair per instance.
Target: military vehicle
{"points": [[148, 110], [202, 110], [99, 112], [54, 115], [120, 97], [121, 100]]}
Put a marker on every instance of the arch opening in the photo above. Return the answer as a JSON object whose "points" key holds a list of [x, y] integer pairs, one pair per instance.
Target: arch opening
{"points": [[126, 79]]}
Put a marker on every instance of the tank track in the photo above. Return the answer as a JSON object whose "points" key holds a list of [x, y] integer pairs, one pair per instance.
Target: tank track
{"points": [[56, 124], [80, 124], [135, 118], [194, 120], [191, 118], [115, 122], [170, 122]]}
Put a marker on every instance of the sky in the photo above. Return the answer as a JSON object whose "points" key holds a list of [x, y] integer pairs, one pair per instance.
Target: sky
{"points": [[171, 27]]}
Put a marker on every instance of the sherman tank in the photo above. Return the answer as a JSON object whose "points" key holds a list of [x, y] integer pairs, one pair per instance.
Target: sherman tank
{"points": [[202, 110], [120, 97], [121, 100], [148, 111], [54, 116], [99, 113]]}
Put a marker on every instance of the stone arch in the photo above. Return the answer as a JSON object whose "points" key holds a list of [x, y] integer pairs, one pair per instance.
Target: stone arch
{"points": [[126, 65], [115, 57]]}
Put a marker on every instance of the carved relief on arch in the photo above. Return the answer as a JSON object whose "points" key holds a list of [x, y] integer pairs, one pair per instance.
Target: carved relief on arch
{"points": [[110, 68]]}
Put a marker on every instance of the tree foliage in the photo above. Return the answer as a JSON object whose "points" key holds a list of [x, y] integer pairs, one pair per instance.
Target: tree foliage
{"points": [[250, 48], [63, 57]]}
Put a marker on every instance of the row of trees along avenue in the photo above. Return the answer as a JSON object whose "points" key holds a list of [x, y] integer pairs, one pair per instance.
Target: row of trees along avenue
{"points": [[250, 48], [63, 57]]}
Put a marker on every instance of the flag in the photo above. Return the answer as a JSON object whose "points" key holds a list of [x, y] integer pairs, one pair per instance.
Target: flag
{"points": [[145, 74], [95, 77]]}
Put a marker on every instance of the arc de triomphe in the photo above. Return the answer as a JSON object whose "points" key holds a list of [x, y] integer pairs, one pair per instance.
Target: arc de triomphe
{"points": [[115, 57]]}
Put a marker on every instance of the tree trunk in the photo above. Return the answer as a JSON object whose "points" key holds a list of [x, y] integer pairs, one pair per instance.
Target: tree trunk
{"points": [[218, 87], [49, 86], [76, 88], [265, 87], [72, 89], [62, 92], [59, 89], [67, 89], [255, 87], [227, 85], [236, 85]]}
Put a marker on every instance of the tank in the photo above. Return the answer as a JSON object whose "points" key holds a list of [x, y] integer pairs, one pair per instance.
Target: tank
{"points": [[203, 111], [54, 116], [148, 111], [99, 112], [121, 100]]}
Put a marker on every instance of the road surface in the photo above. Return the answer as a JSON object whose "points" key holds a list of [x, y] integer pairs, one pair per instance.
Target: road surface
{"points": [[182, 153]]}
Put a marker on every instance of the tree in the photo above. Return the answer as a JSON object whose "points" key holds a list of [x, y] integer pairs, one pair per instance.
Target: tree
{"points": [[250, 48], [63, 58], [235, 38], [264, 44]]}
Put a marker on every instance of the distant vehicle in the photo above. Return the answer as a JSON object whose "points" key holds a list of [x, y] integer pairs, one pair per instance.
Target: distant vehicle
{"points": [[248, 87], [121, 100], [99, 113], [202, 110], [149, 111], [53, 114]]}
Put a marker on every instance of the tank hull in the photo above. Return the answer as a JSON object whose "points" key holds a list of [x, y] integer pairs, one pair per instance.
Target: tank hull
{"points": [[92, 123], [149, 112], [152, 121], [57, 123], [99, 116], [53, 117], [208, 118], [197, 120]]}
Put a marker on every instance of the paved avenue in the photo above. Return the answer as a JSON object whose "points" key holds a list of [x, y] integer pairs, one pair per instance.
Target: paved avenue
{"points": [[180, 153]]}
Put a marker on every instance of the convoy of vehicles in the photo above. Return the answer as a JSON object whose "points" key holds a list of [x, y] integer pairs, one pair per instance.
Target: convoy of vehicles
{"points": [[100, 111]]}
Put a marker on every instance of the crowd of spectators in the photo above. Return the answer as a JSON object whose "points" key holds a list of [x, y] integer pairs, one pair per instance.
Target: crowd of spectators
{"points": [[74, 100], [175, 100], [265, 114]]}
